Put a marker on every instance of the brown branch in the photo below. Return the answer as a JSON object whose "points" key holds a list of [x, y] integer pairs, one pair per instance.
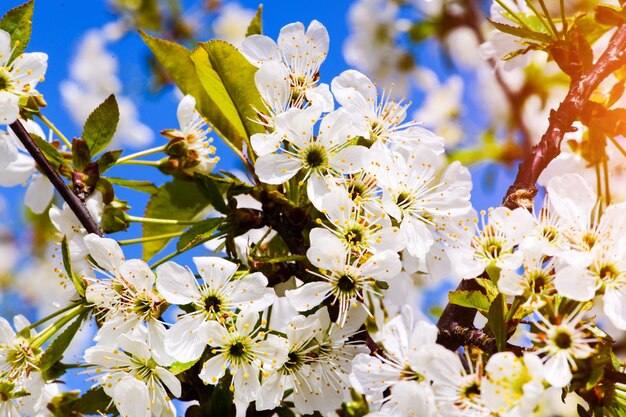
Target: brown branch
{"points": [[74, 203], [524, 189], [456, 323]]}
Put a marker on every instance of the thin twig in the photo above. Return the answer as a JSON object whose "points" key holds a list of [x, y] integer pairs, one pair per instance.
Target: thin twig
{"points": [[524, 189], [72, 200]]}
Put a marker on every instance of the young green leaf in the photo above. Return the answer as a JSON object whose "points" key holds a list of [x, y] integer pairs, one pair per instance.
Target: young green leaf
{"points": [[471, 299], [211, 191], [67, 265], [496, 315], [94, 402], [179, 367], [141, 186], [101, 125], [107, 160], [199, 233], [50, 152], [223, 116], [176, 200], [18, 23], [54, 352], [237, 75], [81, 155], [522, 32], [256, 25]]}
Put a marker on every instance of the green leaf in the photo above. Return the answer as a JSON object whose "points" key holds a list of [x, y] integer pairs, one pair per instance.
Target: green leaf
{"points": [[141, 186], [55, 350], [101, 125], [209, 187], [595, 377], [179, 367], [496, 316], [95, 401], [177, 62], [67, 264], [223, 115], [490, 288], [149, 15], [81, 155], [522, 32], [107, 160], [18, 23], [256, 25], [471, 299], [237, 76], [221, 400], [50, 152], [176, 200], [198, 233], [606, 14]]}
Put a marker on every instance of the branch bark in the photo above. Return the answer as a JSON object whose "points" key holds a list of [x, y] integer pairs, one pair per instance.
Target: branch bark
{"points": [[524, 189], [75, 204], [456, 323]]}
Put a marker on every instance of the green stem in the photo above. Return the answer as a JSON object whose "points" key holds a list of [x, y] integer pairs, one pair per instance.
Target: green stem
{"points": [[547, 13], [513, 14], [55, 130], [148, 239], [140, 154], [53, 315], [42, 337], [543, 21], [157, 221], [145, 163], [517, 302]]}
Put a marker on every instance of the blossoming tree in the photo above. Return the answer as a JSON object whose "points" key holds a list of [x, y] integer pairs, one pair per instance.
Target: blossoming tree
{"points": [[300, 304]]}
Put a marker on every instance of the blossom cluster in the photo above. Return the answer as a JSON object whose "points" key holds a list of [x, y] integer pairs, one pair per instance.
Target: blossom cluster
{"points": [[319, 317]]}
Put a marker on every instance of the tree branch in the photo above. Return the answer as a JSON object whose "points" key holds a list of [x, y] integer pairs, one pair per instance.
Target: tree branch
{"points": [[456, 323], [524, 189], [72, 200]]}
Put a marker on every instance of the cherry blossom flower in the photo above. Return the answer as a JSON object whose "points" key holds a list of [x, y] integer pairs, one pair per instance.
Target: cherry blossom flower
{"points": [[300, 53], [215, 299], [562, 343], [193, 133], [17, 167], [128, 300], [315, 157], [345, 278], [18, 77], [245, 350], [133, 378]]}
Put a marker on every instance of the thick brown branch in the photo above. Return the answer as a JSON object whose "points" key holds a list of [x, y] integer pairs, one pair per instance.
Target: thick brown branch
{"points": [[72, 200], [524, 189]]}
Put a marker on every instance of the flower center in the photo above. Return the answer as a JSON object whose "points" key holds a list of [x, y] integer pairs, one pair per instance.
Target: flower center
{"points": [[354, 236], [550, 233], [538, 281], [403, 200], [4, 81], [492, 247], [589, 240], [294, 361], [315, 157], [608, 273], [346, 283], [212, 304], [471, 390], [563, 340], [237, 349]]}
